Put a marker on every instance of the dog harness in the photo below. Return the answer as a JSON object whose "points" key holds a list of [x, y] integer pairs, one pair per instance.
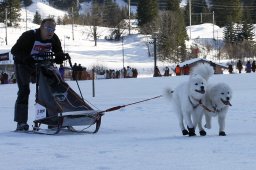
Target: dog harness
{"points": [[193, 105]]}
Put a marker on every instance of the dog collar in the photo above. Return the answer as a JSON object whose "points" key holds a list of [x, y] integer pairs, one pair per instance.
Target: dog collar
{"points": [[193, 105]]}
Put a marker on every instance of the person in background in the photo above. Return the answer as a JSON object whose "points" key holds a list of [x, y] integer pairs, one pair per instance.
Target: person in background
{"points": [[129, 72], [253, 66], [157, 72], [30, 43], [2, 77], [79, 71], [6, 78], [134, 73], [230, 68], [248, 68], [178, 70], [186, 69], [239, 66], [166, 71], [74, 71], [62, 71]]}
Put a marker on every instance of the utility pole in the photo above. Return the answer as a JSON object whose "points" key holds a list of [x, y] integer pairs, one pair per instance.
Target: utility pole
{"points": [[218, 42], [213, 24], [93, 82], [190, 19], [123, 50], [72, 23], [155, 65], [26, 19], [6, 26], [129, 9]]}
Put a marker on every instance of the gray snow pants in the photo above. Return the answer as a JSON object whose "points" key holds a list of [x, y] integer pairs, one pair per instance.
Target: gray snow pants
{"points": [[23, 76]]}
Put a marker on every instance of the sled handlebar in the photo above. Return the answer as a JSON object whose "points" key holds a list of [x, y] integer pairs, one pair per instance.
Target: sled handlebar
{"points": [[49, 56]]}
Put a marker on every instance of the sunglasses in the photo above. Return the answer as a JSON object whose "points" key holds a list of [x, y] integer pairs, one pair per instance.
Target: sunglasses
{"points": [[49, 29]]}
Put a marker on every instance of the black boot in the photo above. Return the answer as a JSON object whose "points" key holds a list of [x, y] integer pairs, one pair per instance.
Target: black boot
{"points": [[222, 133], [184, 132], [202, 132], [191, 131], [22, 127]]}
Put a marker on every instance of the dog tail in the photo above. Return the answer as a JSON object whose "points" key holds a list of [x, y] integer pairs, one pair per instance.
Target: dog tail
{"points": [[203, 69], [168, 93]]}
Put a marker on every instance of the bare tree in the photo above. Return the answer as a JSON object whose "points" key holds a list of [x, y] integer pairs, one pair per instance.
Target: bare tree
{"points": [[95, 20], [242, 50]]}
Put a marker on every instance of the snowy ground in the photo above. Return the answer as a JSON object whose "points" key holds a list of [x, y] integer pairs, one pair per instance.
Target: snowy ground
{"points": [[143, 136]]}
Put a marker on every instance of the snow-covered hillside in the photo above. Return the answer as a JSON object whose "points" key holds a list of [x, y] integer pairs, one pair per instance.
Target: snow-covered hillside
{"points": [[43, 8], [133, 50]]}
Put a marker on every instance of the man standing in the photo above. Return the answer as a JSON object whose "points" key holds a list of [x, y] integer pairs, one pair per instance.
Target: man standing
{"points": [[32, 42]]}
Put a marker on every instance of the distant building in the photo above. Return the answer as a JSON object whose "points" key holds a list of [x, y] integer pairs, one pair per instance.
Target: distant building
{"points": [[218, 68]]}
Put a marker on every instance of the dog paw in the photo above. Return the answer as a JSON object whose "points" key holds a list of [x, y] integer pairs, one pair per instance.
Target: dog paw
{"points": [[202, 132], [184, 132], [222, 133], [191, 131], [191, 134]]}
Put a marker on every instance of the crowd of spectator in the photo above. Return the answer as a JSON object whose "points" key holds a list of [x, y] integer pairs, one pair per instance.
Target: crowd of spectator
{"points": [[77, 72], [127, 72], [249, 67], [80, 73], [6, 79], [178, 71]]}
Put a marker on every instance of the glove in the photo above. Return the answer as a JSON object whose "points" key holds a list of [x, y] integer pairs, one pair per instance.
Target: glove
{"points": [[59, 58]]}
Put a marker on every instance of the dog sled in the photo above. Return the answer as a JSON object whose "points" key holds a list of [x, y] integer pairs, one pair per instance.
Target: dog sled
{"points": [[57, 105]]}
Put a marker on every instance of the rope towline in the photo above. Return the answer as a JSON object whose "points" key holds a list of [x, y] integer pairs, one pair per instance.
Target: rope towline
{"points": [[119, 107], [206, 108]]}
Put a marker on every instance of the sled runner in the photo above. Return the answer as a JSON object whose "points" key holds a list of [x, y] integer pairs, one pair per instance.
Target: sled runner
{"points": [[57, 105]]}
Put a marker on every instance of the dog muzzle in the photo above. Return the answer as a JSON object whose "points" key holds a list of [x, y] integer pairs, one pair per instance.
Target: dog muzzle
{"points": [[200, 91], [226, 102]]}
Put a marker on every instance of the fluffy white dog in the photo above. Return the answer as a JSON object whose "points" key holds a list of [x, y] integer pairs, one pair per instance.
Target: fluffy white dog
{"points": [[187, 97], [216, 103]]}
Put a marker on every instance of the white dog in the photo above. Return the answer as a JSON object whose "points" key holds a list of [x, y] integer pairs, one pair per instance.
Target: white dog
{"points": [[216, 103], [188, 95]]}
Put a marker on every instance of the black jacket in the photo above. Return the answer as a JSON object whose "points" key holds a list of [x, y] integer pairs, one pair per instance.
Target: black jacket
{"points": [[22, 49]]}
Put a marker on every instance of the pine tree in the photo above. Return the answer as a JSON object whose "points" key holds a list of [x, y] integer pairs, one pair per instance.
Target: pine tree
{"points": [[247, 26], [37, 18], [146, 12], [173, 5], [111, 13], [229, 32], [27, 2], [13, 9], [225, 10], [252, 11], [172, 34]]}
